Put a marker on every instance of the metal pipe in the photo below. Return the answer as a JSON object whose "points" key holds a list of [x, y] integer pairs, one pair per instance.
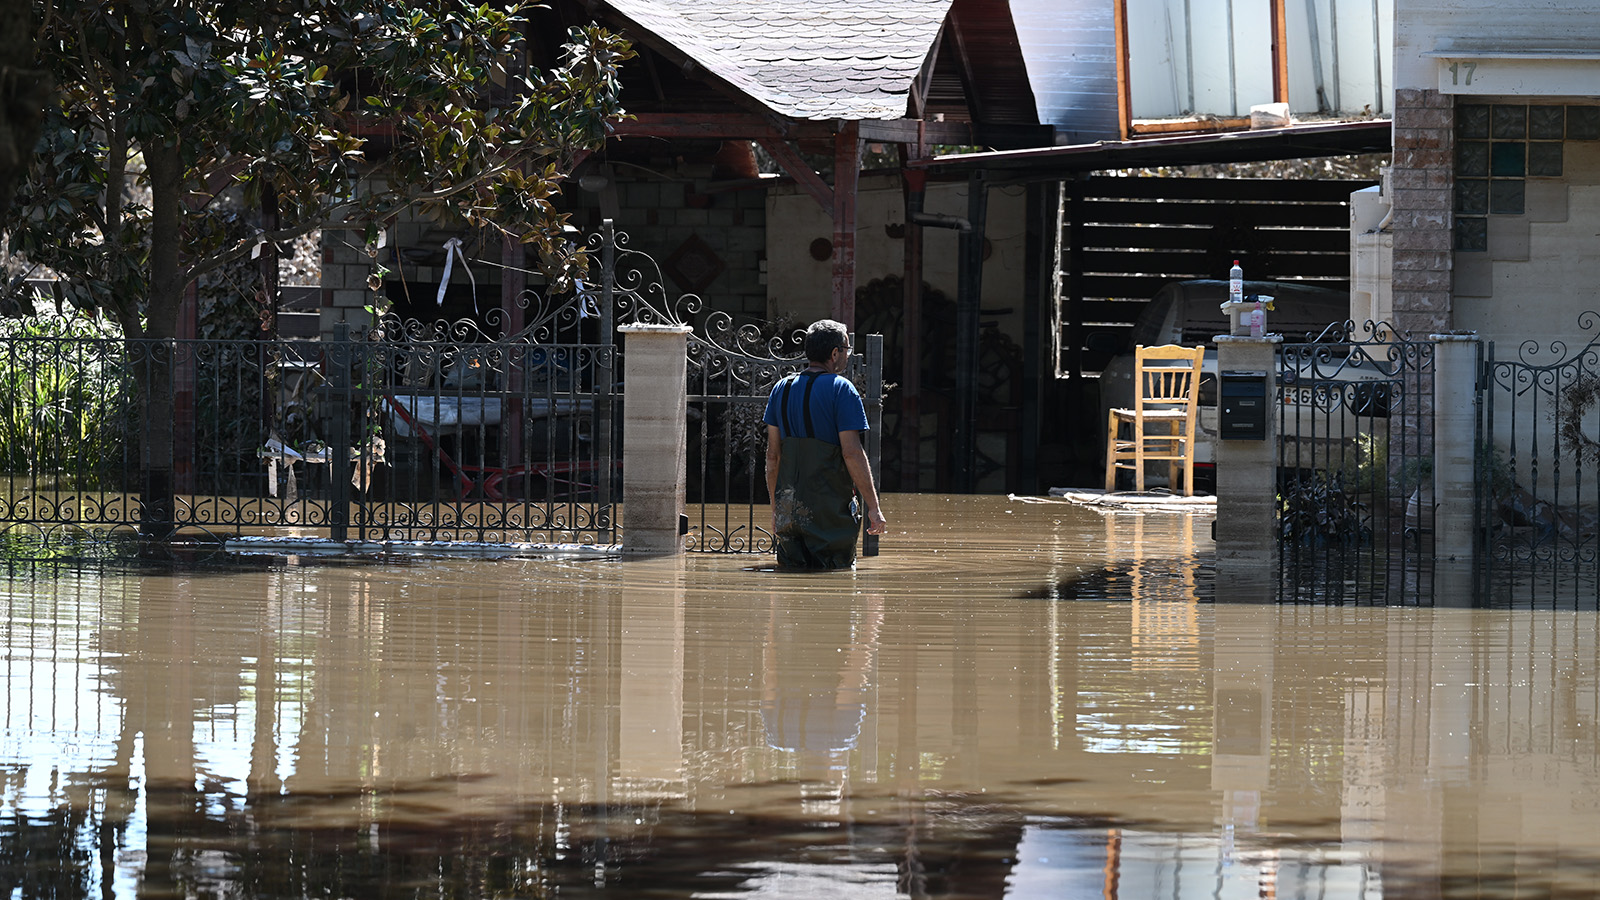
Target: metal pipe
{"points": [[941, 220], [1316, 56], [1233, 66], [1377, 60], [1188, 51], [1333, 40]]}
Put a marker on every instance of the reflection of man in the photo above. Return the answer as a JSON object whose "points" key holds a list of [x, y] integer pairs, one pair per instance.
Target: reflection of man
{"points": [[815, 462]]}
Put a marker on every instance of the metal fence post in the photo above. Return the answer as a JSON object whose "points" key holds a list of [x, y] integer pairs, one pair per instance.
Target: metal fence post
{"points": [[606, 378], [339, 436], [874, 398]]}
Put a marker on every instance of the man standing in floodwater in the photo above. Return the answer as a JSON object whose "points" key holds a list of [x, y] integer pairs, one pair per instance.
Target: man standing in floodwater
{"points": [[816, 466]]}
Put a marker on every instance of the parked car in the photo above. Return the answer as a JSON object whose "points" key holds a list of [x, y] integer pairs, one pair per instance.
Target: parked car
{"points": [[1190, 313]]}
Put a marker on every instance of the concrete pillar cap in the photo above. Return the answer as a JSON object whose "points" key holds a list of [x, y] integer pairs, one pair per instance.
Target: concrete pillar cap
{"points": [[655, 329], [1246, 339]]}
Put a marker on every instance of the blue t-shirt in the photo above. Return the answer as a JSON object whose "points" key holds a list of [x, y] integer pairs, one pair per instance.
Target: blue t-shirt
{"points": [[835, 406]]}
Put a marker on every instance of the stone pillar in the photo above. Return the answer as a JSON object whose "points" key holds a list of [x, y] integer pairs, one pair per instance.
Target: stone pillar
{"points": [[1455, 407], [1423, 181], [1247, 472], [654, 437]]}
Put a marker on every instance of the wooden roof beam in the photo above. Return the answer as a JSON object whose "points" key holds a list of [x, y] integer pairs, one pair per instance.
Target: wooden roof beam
{"points": [[789, 158], [969, 85], [726, 126], [917, 96]]}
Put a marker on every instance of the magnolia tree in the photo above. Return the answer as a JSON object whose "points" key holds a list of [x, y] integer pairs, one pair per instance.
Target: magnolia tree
{"points": [[321, 113]]}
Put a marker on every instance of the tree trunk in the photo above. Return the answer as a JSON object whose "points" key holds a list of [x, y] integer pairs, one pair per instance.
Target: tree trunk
{"points": [[154, 355], [24, 91]]}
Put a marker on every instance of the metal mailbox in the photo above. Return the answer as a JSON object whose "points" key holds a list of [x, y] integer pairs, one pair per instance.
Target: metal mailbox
{"points": [[1242, 405]]}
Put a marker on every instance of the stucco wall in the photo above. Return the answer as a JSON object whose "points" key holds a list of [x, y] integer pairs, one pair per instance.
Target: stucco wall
{"points": [[801, 286], [1541, 268], [1427, 26]]}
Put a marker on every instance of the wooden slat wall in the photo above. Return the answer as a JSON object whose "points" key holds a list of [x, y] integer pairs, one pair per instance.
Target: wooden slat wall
{"points": [[1127, 237]]}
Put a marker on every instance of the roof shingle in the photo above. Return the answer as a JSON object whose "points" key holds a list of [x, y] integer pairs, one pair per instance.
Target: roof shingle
{"points": [[836, 60]]}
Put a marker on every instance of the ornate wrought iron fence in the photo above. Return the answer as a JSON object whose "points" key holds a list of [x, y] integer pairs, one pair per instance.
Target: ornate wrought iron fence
{"points": [[731, 371], [1538, 475], [1355, 467], [408, 433]]}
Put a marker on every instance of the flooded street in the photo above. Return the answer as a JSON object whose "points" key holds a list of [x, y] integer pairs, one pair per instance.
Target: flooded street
{"points": [[1016, 699]]}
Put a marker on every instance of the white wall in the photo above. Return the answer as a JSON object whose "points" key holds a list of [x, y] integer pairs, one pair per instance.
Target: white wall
{"points": [[1214, 57], [1484, 26]]}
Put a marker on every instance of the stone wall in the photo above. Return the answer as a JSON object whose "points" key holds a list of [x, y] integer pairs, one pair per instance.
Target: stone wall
{"points": [[1422, 181], [708, 235]]}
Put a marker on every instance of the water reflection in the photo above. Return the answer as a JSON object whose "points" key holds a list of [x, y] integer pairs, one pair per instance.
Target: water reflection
{"points": [[932, 725]]}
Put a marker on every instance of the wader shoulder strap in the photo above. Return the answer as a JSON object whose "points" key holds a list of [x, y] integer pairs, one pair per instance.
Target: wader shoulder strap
{"points": [[811, 382], [783, 401]]}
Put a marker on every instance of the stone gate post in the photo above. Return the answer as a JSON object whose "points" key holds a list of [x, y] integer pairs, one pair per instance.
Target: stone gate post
{"points": [[655, 428], [1247, 467], [1455, 419]]}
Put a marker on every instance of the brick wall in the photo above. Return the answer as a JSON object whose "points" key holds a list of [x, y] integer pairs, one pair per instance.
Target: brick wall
{"points": [[1422, 182]]}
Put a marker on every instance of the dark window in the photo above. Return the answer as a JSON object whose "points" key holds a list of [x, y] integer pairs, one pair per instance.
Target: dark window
{"points": [[1472, 234], [1509, 123], [1472, 196], [1472, 122], [1544, 159], [1472, 159], [1583, 123], [1547, 123], [1508, 160], [1506, 197]]}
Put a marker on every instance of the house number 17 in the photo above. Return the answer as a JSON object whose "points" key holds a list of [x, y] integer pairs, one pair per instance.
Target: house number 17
{"points": [[1461, 73]]}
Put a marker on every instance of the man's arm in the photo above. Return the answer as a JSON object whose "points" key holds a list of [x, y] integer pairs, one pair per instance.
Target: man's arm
{"points": [[774, 456], [855, 459]]}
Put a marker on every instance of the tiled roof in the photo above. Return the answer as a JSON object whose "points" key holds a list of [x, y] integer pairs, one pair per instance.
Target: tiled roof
{"points": [[821, 59]]}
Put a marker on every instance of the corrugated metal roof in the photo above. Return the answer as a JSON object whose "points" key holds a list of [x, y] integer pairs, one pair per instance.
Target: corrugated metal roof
{"points": [[1071, 49], [825, 59]]}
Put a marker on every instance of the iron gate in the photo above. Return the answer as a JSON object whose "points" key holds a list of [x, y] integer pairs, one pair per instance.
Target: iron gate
{"points": [[1355, 464], [1538, 475], [731, 371]]}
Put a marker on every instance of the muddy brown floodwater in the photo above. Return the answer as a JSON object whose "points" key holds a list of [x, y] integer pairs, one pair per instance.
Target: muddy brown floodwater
{"points": [[1017, 699]]}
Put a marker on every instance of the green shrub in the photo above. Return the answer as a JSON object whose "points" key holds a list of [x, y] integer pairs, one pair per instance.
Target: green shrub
{"points": [[67, 402]]}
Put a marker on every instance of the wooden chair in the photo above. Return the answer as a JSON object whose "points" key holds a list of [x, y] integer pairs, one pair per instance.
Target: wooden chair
{"points": [[1161, 425]]}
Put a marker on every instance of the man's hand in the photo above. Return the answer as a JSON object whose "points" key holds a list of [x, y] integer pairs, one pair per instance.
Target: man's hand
{"points": [[876, 523]]}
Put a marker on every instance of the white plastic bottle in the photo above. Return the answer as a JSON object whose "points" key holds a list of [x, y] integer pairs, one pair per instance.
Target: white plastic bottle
{"points": [[1236, 283]]}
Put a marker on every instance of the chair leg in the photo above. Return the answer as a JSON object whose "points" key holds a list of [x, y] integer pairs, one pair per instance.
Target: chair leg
{"points": [[1111, 452], [1188, 468], [1138, 454]]}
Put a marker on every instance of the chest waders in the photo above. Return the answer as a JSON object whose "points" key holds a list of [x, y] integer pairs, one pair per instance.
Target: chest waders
{"points": [[816, 511]]}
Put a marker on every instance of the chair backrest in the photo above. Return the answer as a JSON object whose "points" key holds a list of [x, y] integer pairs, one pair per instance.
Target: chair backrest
{"points": [[1169, 375]]}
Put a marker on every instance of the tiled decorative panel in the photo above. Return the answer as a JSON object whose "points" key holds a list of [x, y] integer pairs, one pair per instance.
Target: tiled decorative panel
{"points": [[1501, 145]]}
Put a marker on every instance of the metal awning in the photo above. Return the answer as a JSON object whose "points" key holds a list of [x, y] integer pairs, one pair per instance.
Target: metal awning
{"points": [[1054, 163]]}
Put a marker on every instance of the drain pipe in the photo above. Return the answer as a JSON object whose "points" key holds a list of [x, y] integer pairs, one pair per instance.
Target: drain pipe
{"points": [[939, 220], [915, 215]]}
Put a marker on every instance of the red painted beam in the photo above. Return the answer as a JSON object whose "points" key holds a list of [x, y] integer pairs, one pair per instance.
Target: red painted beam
{"points": [[846, 175]]}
